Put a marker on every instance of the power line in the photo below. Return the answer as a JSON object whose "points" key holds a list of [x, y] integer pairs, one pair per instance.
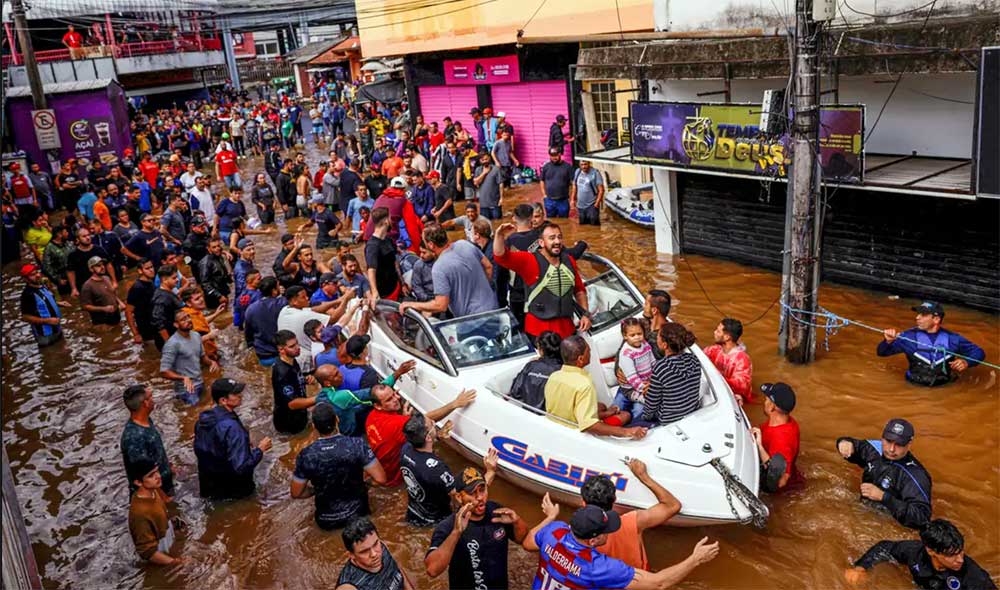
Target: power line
{"points": [[412, 20], [912, 10], [520, 31]]}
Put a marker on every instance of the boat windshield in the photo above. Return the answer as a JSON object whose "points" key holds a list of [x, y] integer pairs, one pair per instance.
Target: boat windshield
{"points": [[609, 299], [482, 338]]}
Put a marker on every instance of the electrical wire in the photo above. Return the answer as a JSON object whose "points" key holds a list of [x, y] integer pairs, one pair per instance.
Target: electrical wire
{"points": [[618, 12], [430, 16], [520, 31], [912, 10]]}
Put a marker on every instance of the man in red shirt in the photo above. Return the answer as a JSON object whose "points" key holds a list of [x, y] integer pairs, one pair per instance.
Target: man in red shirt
{"points": [[777, 439], [74, 42], [555, 290], [227, 169], [384, 425], [731, 359], [435, 137], [150, 169]]}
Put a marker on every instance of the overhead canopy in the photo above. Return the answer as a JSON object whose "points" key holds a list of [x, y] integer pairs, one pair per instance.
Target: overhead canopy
{"points": [[62, 87], [70, 8], [385, 91], [307, 53]]}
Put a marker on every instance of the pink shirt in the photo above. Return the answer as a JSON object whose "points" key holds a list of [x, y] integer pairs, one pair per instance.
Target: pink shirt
{"points": [[735, 367]]}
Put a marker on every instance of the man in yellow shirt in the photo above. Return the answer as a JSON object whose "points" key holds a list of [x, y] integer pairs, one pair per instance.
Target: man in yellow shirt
{"points": [[570, 395]]}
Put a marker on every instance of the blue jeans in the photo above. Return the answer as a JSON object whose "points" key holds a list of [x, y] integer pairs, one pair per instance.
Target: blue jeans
{"points": [[233, 181], [267, 362], [556, 208], [624, 403], [191, 398]]}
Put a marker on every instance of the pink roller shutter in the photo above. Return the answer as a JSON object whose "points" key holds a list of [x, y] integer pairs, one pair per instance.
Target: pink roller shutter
{"points": [[438, 102], [531, 107]]}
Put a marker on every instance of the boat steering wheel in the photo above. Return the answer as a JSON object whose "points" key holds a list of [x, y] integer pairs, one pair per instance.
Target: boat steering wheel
{"points": [[473, 344]]}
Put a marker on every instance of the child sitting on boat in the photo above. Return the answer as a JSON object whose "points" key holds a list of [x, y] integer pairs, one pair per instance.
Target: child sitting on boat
{"points": [[635, 360]]}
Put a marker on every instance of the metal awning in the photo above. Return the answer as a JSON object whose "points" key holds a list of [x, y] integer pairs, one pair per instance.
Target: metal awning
{"points": [[913, 175]]}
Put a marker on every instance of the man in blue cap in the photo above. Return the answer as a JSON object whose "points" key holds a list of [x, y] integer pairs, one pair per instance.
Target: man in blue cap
{"points": [[930, 349], [892, 477]]}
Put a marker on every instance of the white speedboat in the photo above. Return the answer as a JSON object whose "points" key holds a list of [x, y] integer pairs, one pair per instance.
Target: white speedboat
{"points": [[708, 459], [634, 203]]}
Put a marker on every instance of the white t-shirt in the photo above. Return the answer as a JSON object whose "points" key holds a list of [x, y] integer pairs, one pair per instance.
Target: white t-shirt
{"points": [[206, 203], [188, 180], [236, 127], [294, 320]]}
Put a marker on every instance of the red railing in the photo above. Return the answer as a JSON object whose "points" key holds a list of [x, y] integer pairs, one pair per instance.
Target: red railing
{"points": [[184, 43]]}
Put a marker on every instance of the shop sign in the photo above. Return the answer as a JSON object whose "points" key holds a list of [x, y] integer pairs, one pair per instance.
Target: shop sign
{"points": [[728, 137], [485, 70]]}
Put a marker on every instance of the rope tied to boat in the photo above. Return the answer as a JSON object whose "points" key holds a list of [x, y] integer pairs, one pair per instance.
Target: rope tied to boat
{"points": [[833, 323], [734, 487]]}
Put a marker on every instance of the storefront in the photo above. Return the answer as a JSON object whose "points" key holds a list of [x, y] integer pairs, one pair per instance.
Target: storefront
{"points": [[91, 120], [529, 85]]}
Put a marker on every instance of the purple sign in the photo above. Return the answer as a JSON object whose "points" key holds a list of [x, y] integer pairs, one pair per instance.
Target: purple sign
{"points": [[728, 137], [92, 125]]}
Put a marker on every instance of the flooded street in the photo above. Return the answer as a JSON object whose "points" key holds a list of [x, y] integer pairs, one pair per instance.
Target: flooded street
{"points": [[63, 416]]}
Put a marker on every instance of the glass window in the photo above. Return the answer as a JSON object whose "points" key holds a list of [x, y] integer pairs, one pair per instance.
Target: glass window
{"points": [[605, 107], [408, 334], [482, 338], [608, 295]]}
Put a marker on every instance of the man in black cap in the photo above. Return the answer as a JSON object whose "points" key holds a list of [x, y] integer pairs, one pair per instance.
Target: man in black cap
{"points": [[936, 561], [473, 542], [358, 374], [930, 349], [892, 477], [777, 439], [557, 138], [226, 459], [568, 555]]}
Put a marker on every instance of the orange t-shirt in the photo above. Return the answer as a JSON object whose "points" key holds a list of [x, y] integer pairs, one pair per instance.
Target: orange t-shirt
{"points": [[626, 543], [103, 214], [200, 325], [392, 167]]}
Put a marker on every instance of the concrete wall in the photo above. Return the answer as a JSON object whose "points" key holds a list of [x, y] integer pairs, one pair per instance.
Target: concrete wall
{"points": [[930, 113], [173, 61]]}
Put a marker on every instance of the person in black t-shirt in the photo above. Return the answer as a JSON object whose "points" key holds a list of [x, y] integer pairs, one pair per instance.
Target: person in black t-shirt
{"points": [[371, 566], [472, 543], [289, 386], [335, 465], [430, 484], [380, 256], [936, 561], [139, 303], [78, 269], [146, 243]]}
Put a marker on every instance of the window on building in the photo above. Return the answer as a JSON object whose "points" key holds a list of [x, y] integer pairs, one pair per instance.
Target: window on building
{"points": [[266, 48], [605, 108]]}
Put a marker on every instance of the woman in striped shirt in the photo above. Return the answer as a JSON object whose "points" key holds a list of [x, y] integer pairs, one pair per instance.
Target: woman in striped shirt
{"points": [[674, 389]]}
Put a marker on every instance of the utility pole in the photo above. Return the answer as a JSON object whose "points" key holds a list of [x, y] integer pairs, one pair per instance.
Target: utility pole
{"points": [[30, 65], [803, 187]]}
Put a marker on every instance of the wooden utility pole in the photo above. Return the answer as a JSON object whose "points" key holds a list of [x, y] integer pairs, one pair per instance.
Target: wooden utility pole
{"points": [[30, 65], [803, 186]]}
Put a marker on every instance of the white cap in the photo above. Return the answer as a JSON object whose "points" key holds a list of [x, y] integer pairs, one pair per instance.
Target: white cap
{"points": [[501, 115], [398, 182]]}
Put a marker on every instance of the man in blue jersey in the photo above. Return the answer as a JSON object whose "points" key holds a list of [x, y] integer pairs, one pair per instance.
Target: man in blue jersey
{"points": [[569, 558], [930, 349]]}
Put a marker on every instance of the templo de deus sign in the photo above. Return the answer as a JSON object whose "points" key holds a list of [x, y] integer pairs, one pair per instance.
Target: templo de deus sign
{"points": [[728, 137]]}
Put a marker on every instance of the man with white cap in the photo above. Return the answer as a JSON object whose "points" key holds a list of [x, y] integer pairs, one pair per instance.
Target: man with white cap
{"points": [[892, 477]]}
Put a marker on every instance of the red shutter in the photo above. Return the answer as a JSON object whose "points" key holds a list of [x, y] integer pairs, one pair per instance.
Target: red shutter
{"points": [[531, 107], [438, 102]]}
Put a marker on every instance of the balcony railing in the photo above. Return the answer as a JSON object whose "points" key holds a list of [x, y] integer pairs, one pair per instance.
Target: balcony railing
{"points": [[183, 43]]}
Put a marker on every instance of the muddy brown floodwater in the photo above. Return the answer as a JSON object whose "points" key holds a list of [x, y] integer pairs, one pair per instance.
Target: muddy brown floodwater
{"points": [[63, 415]]}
